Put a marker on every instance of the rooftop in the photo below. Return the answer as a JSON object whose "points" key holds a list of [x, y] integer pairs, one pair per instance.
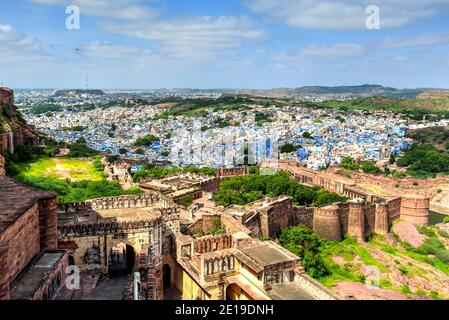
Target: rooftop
{"points": [[266, 254], [289, 291], [38, 271], [15, 199], [109, 215]]}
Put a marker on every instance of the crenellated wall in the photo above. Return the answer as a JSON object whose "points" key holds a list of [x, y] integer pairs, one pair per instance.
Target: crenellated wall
{"points": [[212, 243], [120, 202]]}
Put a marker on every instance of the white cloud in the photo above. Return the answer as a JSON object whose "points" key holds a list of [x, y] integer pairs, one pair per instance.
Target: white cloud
{"points": [[200, 38], [347, 14], [117, 9], [16, 46], [194, 37], [423, 40], [337, 50]]}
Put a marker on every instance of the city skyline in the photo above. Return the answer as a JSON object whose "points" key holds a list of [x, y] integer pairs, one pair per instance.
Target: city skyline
{"points": [[254, 44]]}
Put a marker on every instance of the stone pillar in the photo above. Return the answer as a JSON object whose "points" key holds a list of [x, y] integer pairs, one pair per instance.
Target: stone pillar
{"points": [[356, 219], [48, 224], [4, 272], [382, 221]]}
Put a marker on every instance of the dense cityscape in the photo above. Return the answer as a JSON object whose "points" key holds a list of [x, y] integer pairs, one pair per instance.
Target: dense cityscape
{"points": [[243, 150]]}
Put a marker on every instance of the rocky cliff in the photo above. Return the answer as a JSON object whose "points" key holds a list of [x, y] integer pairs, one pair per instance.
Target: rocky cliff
{"points": [[13, 129]]}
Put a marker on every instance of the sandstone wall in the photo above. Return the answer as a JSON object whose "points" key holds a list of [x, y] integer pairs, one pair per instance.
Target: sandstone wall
{"points": [[415, 209], [301, 216], [275, 216], [23, 239], [326, 222], [4, 271], [2, 166]]}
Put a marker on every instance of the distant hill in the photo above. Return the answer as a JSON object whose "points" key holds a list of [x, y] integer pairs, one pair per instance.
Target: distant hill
{"points": [[75, 92], [366, 90]]}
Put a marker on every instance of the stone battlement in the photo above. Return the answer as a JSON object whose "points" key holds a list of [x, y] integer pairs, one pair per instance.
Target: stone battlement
{"points": [[94, 229], [120, 202]]}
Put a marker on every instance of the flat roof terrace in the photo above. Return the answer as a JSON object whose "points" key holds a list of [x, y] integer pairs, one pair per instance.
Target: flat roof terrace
{"points": [[32, 278], [266, 254], [289, 291], [110, 215]]}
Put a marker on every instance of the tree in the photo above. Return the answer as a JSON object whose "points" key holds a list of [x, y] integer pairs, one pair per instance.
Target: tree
{"points": [[146, 141], [140, 151], [81, 140], [325, 198], [288, 147], [369, 167], [392, 159], [306, 135], [349, 163], [122, 150], [306, 244]]}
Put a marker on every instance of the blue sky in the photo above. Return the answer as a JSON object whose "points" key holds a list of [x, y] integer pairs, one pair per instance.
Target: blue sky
{"points": [[223, 44]]}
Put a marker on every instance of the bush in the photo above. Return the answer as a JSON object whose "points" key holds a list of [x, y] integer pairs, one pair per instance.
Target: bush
{"points": [[186, 201], [405, 289], [369, 167], [80, 150], [349, 163], [146, 141], [431, 246], [385, 283], [426, 231], [403, 269], [78, 191], [218, 227], [288, 148], [443, 255], [434, 294], [446, 219], [443, 233]]}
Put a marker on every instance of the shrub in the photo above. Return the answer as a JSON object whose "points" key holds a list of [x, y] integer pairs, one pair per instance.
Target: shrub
{"points": [[426, 231], [443, 233], [405, 289], [403, 269], [443, 255], [432, 246], [434, 294], [385, 283], [218, 227], [186, 201]]}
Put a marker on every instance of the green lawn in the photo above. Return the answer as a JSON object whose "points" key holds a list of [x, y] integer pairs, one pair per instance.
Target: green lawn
{"points": [[74, 180], [62, 168]]}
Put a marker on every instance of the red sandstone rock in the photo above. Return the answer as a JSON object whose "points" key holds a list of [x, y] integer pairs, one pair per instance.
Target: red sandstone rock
{"points": [[408, 233]]}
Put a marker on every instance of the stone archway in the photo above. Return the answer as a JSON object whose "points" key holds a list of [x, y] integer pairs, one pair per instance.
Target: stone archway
{"points": [[121, 259], [235, 292]]}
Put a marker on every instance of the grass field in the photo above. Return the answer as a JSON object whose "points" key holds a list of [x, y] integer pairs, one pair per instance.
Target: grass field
{"points": [[63, 168]]}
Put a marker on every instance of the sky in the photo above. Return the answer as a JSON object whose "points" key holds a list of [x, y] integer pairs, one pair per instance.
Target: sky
{"points": [[251, 44]]}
